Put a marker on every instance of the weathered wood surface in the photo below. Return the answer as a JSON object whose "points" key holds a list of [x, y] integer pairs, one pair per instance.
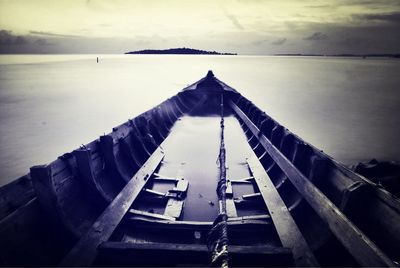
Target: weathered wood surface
{"points": [[234, 249], [286, 228], [28, 239], [352, 238], [154, 193], [247, 180], [234, 223], [175, 204], [87, 173], [85, 251], [174, 208], [231, 208], [181, 186], [230, 203], [251, 196], [251, 217], [15, 195], [168, 254], [163, 177], [138, 214]]}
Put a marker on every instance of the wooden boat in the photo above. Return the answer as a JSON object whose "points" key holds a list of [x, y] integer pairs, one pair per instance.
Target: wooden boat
{"points": [[145, 195]]}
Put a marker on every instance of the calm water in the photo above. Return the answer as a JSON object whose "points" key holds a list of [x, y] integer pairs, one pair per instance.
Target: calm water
{"points": [[52, 104]]}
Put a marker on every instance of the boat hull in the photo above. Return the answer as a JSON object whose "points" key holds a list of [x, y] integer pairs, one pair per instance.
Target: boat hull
{"points": [[316, 212]]}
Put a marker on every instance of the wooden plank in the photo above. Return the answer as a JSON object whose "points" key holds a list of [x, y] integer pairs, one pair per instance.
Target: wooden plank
{"points": [[237, 223], [145, 214], [85, 250], [153, 192], [15, 194], [286, 228], [181, 186], [233, 249], [231, 208], [229, 202], [174, 254], [175, 206], [250, 217], [251, 196], [162, 177], [229, 189], [353, 239], [243, 180]]}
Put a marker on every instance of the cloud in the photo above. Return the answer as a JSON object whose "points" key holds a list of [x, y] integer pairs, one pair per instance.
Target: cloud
{"points": [[319, 6], [54, 34], [348, 39], [386, 17], [233, 19], [317, 36], [43, 42], [369, 3], [279, 42], [12, 43], [49, 43], [7, 38], [259, 42]]}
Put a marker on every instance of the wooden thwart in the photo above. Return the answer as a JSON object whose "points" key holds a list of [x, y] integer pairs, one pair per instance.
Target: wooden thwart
{"points": [[85, 251], [287, 229], [353, 239]]}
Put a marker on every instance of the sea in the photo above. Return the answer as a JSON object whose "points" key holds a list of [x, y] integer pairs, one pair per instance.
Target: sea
{"points": [[52, 104]]}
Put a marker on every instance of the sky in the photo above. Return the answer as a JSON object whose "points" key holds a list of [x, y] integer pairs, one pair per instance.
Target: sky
{"points": [[250, 27]]}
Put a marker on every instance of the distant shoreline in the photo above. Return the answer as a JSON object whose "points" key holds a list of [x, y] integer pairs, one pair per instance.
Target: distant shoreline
{"points": [[342, 55], [178, 51]]}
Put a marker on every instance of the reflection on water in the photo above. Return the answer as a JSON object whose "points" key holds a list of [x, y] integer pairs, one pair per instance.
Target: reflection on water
{"points": [[50, 105]]}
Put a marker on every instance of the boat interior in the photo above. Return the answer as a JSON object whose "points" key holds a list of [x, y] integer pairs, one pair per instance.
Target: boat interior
{"points": [[146, 195]]}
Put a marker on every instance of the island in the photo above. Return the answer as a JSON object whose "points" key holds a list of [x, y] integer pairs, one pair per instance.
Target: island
{"points": [[184, 51]]}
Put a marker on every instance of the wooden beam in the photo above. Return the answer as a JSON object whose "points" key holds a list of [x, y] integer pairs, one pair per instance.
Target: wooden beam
{"points": [[174, 208], [285, 226], [251, 196], [243, 180], [153, 192], [175, 205], [231, 208], [85, 250], [229, 189], [251, 217], [233, 249], [238, 223], [164, 178], [144, 214], [171, 254], [353, 239], [230, 203]]}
